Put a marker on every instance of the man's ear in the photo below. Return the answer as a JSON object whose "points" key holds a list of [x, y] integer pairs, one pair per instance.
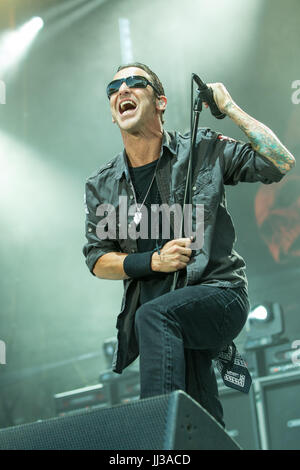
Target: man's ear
{"points": [[161, 103]]}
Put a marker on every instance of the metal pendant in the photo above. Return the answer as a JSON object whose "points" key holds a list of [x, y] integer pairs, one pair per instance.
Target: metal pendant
{"points": [[137, 217]]}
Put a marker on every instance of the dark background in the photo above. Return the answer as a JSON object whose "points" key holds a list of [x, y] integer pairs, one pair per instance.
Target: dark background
{"points": [[55, 130]]}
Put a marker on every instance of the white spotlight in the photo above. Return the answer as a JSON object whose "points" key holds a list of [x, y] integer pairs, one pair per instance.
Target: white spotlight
{"points": [[31, 28], [14, 44], [259, 313]]}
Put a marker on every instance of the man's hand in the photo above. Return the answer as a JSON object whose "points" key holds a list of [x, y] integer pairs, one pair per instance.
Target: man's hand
{"points": [[174, 255], [262, 139], [221, 96]]}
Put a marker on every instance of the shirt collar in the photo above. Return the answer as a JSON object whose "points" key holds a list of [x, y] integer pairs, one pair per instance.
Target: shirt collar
{"points": [[168, 141]]}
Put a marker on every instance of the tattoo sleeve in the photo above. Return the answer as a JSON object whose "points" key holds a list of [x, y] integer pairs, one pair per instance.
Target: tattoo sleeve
{"points": [[262, 139]]}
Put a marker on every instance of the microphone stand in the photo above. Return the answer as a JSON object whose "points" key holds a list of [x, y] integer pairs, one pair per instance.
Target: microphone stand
{"points": [[196, 108]]}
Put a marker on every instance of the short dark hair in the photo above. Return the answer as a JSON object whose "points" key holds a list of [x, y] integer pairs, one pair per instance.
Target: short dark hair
{"points": [[154, 78]]}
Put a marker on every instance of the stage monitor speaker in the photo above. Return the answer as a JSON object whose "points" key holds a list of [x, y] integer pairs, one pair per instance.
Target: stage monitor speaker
{"points": [[240, 417], [173, 421], [279, 411]]}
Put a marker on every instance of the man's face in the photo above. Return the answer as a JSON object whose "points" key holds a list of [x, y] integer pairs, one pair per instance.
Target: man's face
{"points": [[133, 109]]}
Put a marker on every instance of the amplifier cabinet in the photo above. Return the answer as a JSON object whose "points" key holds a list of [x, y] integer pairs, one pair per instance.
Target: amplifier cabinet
{"points": [[82, 398], [278, 409], [240, 417]]}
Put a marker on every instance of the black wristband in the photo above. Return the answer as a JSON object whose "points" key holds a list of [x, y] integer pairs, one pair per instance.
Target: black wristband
{"points": [[137, 265]]}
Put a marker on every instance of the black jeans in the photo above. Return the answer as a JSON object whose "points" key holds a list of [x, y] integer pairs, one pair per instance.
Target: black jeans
{"points": [[188, 327]]}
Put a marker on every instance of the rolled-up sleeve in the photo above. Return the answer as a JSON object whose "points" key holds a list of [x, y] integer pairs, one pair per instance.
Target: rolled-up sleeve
{"points": [[242, 163], [95, 246]]}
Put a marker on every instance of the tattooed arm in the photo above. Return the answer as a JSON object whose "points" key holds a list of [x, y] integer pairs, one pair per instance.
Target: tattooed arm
{"points": [[262, 139]]}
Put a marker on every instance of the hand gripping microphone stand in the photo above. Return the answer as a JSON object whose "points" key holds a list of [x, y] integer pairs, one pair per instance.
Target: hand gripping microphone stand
{"points": [[204, 93]]}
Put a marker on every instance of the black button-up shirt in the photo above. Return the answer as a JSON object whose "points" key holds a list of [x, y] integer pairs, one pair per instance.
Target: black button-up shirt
{"points": [[218, 161]]}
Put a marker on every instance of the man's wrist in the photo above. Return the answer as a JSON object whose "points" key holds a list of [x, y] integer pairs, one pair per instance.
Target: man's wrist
{"points": [[155, 261], [231, 109], [138, 265]]}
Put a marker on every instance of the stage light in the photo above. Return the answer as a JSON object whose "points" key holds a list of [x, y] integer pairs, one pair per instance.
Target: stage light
{"points": [[264, 325], [260, 313], [14, 44], [32, 27]]}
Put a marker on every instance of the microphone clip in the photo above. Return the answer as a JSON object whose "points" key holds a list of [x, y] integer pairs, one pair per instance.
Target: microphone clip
{"points": [[205, 94]]}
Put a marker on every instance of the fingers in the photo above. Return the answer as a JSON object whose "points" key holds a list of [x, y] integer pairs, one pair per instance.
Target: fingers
{"points": [[178, 252], [174, 262], [178, 247], [185, 251], [184, 259], [180, 242], [215, 85], [174, 255]]}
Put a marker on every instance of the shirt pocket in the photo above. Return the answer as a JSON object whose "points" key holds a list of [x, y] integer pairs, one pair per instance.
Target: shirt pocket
{"points": [[202, 192], [203, 181], [205, 191]]}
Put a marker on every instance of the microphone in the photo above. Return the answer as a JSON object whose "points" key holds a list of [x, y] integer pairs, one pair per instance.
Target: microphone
{"points": [[206, 94]]}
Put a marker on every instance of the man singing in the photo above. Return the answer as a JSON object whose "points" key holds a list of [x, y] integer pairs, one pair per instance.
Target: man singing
{"points": [[175, 332]]}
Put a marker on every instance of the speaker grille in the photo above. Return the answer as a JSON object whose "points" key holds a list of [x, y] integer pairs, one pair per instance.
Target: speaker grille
{"points": [[240, 417], [138, 425], [283, 414], [173, 421]]}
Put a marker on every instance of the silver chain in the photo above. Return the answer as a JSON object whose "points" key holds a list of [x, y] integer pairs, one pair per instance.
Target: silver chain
{"points": [[138, 215]]}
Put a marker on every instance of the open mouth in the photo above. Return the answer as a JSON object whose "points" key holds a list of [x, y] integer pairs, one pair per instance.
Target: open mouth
{"points": [[127, 107]]}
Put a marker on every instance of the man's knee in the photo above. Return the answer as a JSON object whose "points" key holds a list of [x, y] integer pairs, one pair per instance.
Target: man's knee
{"points": [[144, 315], [150, 314]]}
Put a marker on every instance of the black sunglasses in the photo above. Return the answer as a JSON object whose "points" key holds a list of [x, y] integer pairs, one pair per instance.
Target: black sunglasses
{"points": [[135, 81]]}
